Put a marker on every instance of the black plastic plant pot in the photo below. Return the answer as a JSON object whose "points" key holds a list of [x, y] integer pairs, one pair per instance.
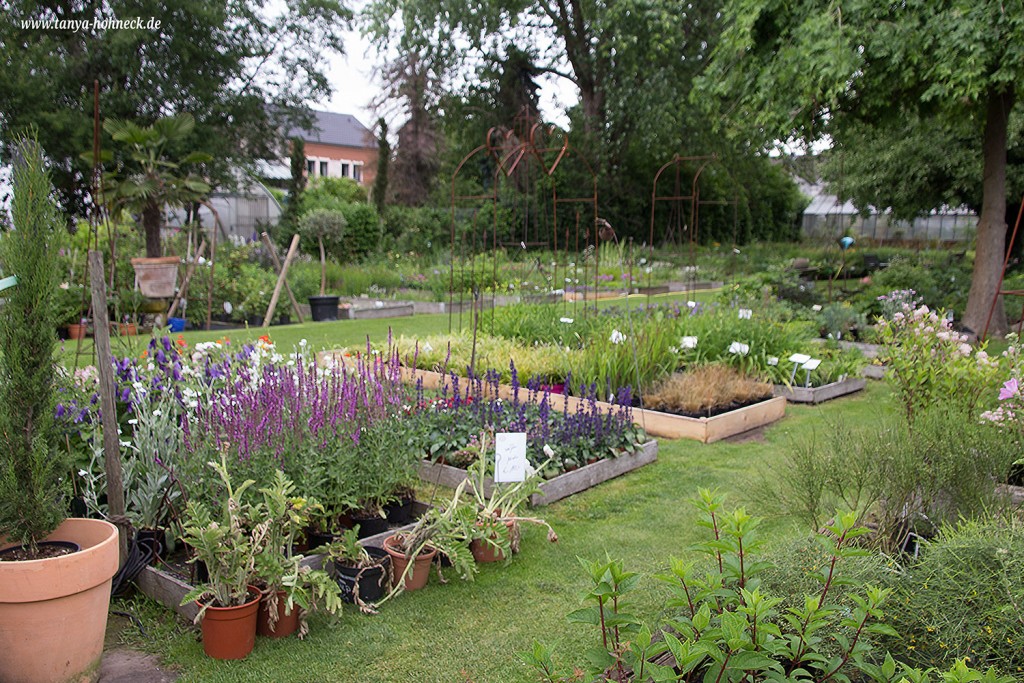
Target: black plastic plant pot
{"points": [[323, 308], [399, 512], [373, 582], [371, 525]]}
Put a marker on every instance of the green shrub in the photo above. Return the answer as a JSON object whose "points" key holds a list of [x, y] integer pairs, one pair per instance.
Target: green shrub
{"points": [[33, 470], [363, 236], [904, 480], [962, 598]]}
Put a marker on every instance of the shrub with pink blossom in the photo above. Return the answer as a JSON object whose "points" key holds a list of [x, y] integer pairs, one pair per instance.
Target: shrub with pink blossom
{"points": [[934, 365]]}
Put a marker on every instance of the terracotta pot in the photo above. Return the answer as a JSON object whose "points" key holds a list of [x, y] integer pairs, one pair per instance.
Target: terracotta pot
{"points": [[285, 625], [230, 632], [484, 552], [157, 276], [58, 605], [421, 567], [127, 329], [76, 331]]}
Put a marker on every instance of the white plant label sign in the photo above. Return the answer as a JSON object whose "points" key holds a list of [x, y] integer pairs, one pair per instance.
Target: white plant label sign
{"points": [[509, 457]]}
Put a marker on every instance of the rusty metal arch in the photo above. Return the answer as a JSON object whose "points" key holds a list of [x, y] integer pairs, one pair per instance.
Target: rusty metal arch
{"points": [[510, 153]]}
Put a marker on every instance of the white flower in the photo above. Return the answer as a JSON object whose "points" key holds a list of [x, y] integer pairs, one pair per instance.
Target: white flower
{"points": [[689, 342], [773, 360], [691, 304], [567, 321], [745, 314], [548, 451], [302, 343], [82, 473], [427, 348], [617, 337], [133, 421], [157, 413], [816, 307], [125, 444], [739, 349]]}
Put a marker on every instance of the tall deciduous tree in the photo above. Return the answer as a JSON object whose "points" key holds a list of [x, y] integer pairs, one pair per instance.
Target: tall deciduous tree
{"points": [[807, 70], [244, 72]]}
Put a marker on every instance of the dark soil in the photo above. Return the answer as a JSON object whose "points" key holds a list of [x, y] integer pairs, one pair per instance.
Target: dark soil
{"points": [[711, 412], [45, 551]]}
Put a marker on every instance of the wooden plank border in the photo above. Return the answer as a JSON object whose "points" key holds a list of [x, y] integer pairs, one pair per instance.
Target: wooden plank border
{"points": [[562, 486], [825, 392], [666, 425]]}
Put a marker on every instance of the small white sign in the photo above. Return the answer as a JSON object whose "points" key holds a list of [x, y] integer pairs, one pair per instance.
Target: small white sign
{"points": [[799, 358], [689, 342], [773, 360], [812, 364], [510, 457], [745, 313], [691, 304]]}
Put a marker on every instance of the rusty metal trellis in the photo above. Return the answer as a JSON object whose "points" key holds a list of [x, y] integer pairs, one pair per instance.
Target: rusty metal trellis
{"points": [[518, 159]]}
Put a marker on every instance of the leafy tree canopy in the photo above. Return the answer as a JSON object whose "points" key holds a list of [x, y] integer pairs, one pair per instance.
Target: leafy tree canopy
{"points": [[240, 70]]}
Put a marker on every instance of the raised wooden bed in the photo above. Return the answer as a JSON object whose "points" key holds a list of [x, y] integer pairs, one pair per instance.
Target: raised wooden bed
{"points": [[688, 286], [373, 312], [704, 429], [562, 486], [825, 392], [874, 371], [168, 589]]}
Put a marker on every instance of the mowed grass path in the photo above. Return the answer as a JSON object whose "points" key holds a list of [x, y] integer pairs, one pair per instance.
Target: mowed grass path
{"points": [[472, 631]]}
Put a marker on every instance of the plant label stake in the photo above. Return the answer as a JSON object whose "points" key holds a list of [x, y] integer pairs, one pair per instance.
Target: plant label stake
{"points": [[509, 457], [811, 364], [797, 359]]}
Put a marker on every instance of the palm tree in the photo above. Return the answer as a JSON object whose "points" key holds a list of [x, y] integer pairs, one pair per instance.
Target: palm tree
{"points": [[149, 179]]}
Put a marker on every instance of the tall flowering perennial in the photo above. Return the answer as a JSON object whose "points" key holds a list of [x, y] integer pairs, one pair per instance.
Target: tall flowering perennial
{"points": [[933, 365], [1009, 414]]}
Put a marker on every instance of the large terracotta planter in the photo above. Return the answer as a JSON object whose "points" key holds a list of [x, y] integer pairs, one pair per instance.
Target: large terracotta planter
{"points": [[53, 612], [285, 625], [421, 567], [157, 277], [230, 632], [76, 331]]}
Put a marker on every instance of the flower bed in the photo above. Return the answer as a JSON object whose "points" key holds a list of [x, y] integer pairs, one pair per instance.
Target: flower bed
{"points": [[826, 392], [561, 486]]}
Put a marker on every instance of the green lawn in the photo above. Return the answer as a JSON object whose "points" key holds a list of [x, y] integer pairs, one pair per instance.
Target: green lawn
{"points": [[352, 333], [473, 631]]}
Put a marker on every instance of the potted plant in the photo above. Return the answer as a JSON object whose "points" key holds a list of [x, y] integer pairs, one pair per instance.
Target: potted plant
{"points": [[127, 304], [70, 313], [495, 530], [323, 225], [48, 604], [363, 572], [439, 530], [383, 470], [289, 589], [228, 602]]}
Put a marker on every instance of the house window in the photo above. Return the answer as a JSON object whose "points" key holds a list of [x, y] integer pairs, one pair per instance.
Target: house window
{"points": [[323, 168], [344, 170], [310, 166], [357, 172]]}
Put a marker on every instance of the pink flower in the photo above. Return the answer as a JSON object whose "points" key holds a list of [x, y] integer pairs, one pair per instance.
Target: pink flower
{"points": [[1009, 390]]}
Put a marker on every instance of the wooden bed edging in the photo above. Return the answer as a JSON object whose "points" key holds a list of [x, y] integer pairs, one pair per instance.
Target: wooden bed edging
{"points": [[825, 392], [562, 486]]}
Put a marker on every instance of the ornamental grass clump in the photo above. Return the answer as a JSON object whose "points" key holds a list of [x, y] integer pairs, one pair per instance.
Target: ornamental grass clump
{"points": [[33, 471], [706, 390]]}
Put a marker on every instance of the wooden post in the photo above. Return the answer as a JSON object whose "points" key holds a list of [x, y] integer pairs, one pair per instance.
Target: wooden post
{"points": [[277, 267], [111, 443], [281, 280], [183, 290]]}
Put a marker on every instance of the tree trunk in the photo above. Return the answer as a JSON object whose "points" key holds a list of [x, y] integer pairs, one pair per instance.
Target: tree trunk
{"points": [[151, 224], [990, 244], [323, 267]]}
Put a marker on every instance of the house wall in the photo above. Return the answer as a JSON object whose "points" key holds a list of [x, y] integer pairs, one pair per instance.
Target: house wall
{"points": [[341, 161]]}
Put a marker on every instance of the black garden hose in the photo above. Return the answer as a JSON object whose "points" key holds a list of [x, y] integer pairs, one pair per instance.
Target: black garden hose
{"points": [[139, 557]]}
